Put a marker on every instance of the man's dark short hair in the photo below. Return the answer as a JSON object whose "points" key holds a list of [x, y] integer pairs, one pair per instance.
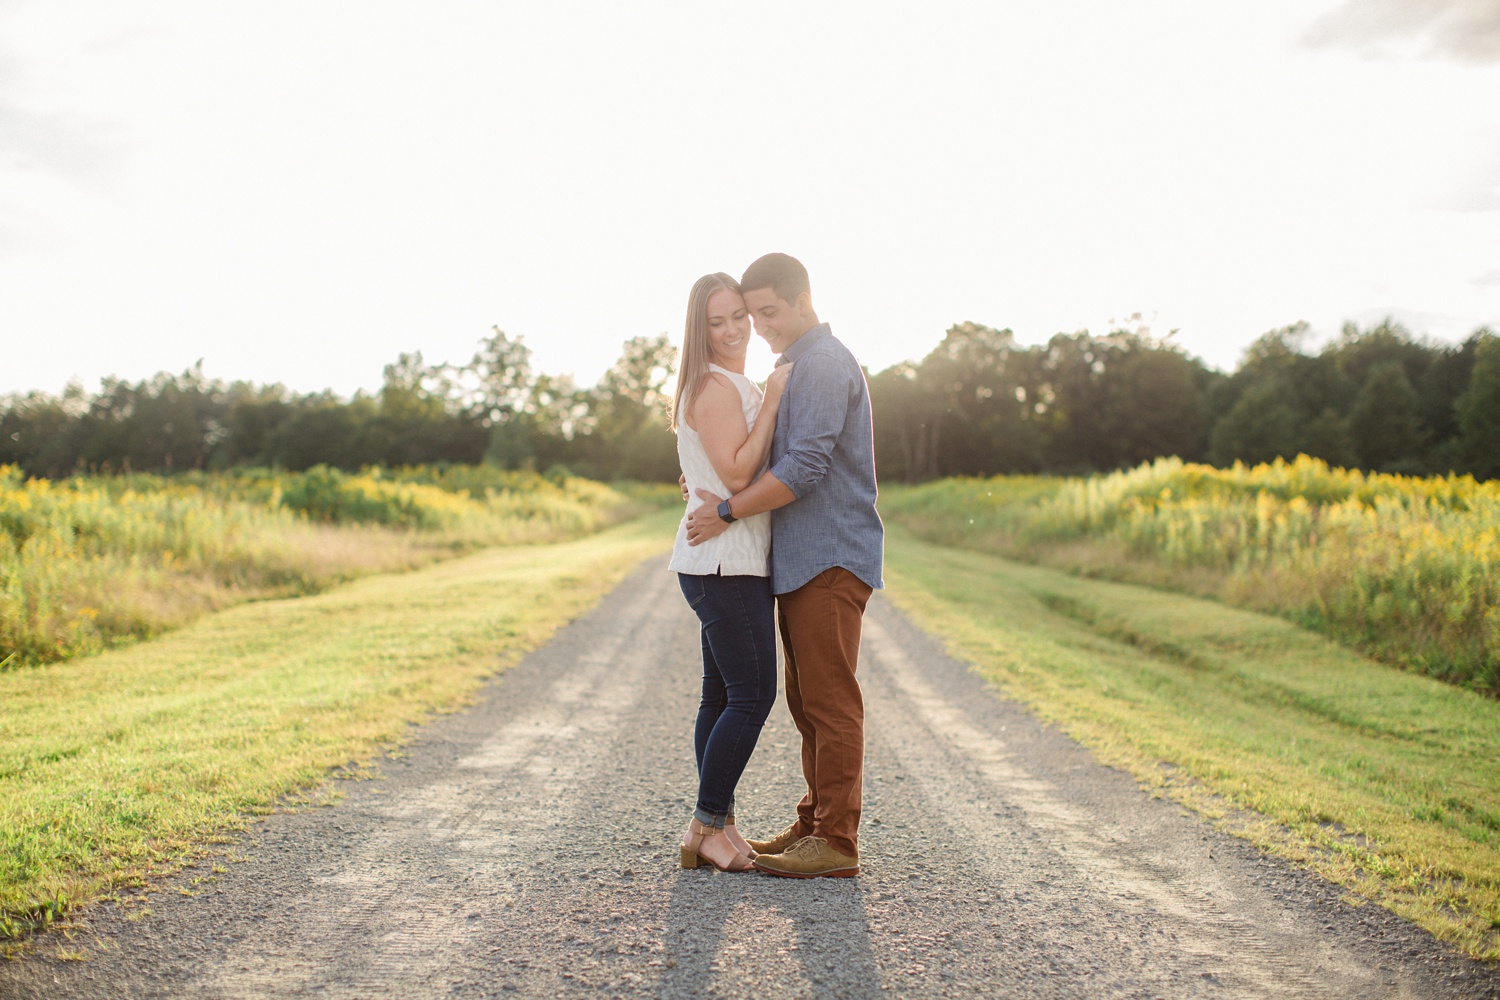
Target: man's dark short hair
{"points": [[779, 272]]}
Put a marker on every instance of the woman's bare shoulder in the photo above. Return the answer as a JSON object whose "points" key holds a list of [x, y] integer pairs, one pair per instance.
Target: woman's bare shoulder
{"points": [[715, 378], [714, 386], [715, 395]]}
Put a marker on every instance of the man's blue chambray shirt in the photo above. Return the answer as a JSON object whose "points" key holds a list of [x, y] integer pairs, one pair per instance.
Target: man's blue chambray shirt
{"points": [[824, 451]]}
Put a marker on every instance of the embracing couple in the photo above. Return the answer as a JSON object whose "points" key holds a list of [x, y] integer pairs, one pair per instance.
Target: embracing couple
{"points": [[781, 518]]}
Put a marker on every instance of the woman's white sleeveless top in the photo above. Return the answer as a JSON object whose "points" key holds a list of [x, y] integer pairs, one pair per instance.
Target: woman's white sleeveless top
{"points": [[745, 548]]}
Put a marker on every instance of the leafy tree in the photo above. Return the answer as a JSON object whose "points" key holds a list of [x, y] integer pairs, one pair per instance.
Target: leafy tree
{"points": [[907, 425], [1155, 405], [422, 418], [1359, 352], [1263, 425], [166, 423], [1119, 400], [40, 433], [498, 379], [1308, 384], [406, 393], [629, 437], [1437, 392], [1383, 423], [558, 414], [1327, 436], [1479, 411], [637, 381], [1073, 393], [323, 430], [977, 421], [249, 414]]}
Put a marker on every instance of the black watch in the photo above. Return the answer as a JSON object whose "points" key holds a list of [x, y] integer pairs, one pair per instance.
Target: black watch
{"points": [[724, 513]]}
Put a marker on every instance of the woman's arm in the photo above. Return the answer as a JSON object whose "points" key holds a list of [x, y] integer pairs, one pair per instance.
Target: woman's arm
{"points": [[736, 452]]}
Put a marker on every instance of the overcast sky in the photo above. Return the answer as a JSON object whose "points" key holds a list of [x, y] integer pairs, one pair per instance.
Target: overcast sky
{"points": [[298, 192]]}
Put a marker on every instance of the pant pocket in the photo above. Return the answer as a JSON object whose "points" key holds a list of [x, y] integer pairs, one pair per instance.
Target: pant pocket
{"points": [[693, 589]]}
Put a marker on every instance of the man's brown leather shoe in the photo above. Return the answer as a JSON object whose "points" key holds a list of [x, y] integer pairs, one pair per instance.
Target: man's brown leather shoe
{"points": [[783, 840], [810, 858]]}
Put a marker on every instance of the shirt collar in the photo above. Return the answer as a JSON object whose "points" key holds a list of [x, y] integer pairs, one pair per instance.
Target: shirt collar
{"points": [[805, 342]]}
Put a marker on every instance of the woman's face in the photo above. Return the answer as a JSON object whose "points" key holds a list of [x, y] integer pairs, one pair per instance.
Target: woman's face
{"points": [[728, 325]]}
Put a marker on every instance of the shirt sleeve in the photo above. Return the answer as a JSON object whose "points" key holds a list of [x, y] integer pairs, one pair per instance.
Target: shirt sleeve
{"points": [[817, 405]]}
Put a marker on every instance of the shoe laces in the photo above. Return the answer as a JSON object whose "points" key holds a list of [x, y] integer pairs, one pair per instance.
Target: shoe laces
{"points": [[810, 846]]}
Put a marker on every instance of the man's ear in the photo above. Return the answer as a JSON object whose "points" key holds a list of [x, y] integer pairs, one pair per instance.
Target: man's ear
{"points": [[804, 305]]}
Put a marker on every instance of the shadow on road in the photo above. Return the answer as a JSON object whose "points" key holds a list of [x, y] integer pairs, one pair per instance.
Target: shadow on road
{"points": [[750, 928]]}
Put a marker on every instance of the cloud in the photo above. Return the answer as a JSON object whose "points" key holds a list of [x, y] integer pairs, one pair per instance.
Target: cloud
{"points": [[1489, 279], [1464, 30], [39, 149], [54, 144], [1477, 190], [1476, 198]]}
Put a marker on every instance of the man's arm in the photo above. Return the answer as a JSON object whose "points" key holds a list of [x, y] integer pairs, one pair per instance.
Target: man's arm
{"points": [[766, 493], [818, 406], [821, 407]]}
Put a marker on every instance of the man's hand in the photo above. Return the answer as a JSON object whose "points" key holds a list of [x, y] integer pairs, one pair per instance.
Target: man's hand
{"points": [[682, 484], [704, 522]]}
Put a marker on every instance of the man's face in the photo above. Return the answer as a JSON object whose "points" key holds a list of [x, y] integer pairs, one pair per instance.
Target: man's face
{"points": [[778, 321]]}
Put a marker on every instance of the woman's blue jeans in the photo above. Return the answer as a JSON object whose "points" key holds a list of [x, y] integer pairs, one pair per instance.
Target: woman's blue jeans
{"points": [[739, 681]]}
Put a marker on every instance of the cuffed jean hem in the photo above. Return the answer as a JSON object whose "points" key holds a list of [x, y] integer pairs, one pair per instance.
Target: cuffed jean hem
{"points": [[710, 819]]}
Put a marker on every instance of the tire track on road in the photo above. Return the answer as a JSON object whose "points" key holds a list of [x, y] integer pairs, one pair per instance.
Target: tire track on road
{"points": [[478, 823], [1143, 879]]}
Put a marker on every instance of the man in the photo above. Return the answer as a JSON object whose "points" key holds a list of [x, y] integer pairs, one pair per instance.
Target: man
{"points": [[826, 554]]}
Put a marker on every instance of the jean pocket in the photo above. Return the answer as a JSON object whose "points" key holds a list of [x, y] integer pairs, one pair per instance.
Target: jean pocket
{"points": [[692, 589]]}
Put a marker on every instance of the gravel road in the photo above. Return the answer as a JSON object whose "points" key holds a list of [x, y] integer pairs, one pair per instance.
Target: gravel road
{"points": [[528, 847]]}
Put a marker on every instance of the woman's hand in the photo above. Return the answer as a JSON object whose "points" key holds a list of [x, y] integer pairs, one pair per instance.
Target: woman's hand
{"points": [[776, 383]]}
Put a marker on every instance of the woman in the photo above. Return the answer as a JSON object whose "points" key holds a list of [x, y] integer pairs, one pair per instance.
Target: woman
{"points": [[724, 432]]}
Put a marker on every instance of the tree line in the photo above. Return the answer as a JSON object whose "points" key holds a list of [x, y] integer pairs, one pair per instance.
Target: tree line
{"points": [[979, 404], [1378, 399], [496, 408]]}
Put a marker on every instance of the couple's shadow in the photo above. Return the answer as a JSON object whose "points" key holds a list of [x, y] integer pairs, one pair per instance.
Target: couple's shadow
{"points": [[724, 929]]}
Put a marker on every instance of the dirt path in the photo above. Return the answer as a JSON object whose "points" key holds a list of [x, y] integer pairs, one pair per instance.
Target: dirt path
{"points": [[527, 848]]}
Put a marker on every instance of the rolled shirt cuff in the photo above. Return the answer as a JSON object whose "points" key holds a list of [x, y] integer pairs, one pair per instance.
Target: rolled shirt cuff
{"points": [[795, 476]]}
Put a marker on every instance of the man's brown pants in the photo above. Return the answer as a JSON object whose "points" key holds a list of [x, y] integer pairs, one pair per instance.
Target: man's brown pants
{"points": [[820, 626]]}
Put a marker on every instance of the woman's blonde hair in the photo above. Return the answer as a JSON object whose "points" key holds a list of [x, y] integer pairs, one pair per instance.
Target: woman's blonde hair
{"points": [[697, 351]]}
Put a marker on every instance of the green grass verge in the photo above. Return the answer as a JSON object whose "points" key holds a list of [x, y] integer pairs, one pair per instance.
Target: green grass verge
{"points": [[119, 766], [1383, 781]]}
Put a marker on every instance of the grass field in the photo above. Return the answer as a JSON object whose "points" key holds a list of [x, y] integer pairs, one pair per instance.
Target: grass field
{"points": [[93, 562], [1382, 780], [116, 766], [1406, 570]]}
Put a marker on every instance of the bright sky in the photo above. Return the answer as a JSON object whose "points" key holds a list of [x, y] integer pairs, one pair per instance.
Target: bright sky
{"points": [[297, 192]]}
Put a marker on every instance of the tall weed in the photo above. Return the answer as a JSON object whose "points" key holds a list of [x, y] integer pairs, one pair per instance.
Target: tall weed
{"points": [[1402, 568], [90, 562]]}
